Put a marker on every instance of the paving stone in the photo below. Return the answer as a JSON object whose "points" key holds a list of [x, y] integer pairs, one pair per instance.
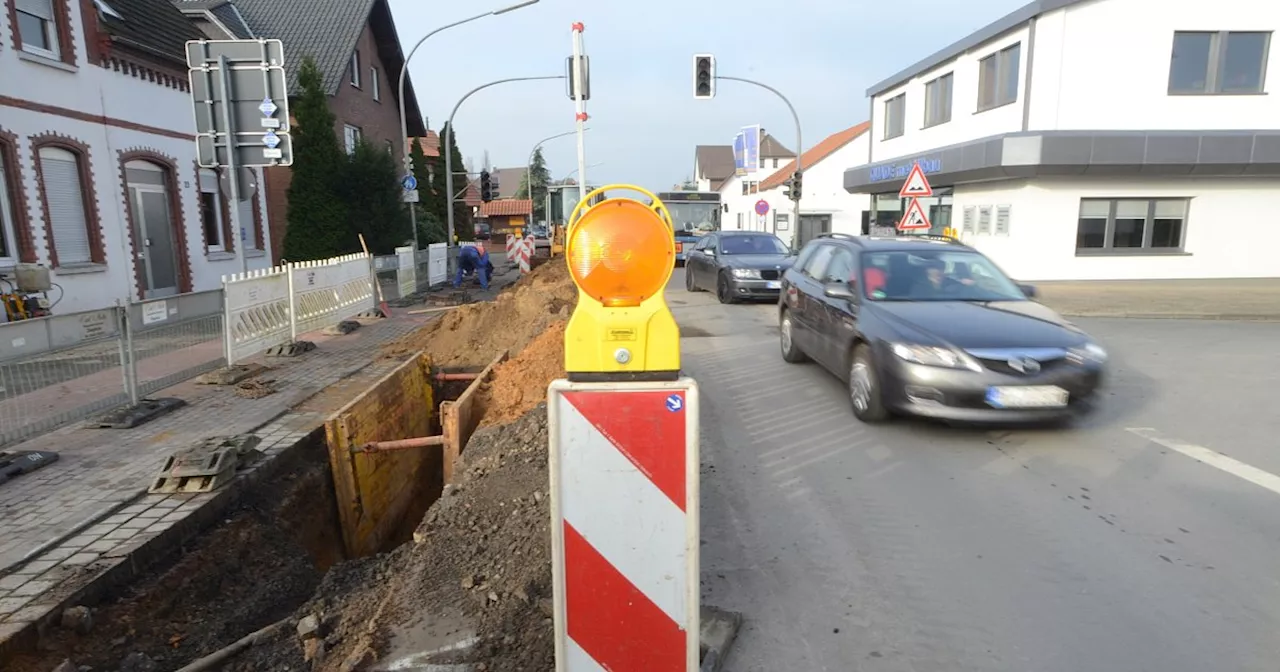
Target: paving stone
{"points": [[31, 614], [12, 581], [32, 588], [81, 558], [11, 605]]}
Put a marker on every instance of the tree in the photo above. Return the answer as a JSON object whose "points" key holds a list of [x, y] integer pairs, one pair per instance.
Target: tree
{"points": [[318, 226], [463, 227], [373, 195], [541, 178]]}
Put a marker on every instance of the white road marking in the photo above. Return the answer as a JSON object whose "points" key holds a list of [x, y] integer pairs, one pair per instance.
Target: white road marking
{"points": [[790, 482], [1213, 458], [806, 463]]}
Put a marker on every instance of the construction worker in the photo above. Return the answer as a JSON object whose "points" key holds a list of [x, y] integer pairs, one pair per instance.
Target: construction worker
{"points": [[473, 259]]}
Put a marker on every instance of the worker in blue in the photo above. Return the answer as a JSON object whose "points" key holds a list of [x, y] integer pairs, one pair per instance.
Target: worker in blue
{"points": [[473, 259]]}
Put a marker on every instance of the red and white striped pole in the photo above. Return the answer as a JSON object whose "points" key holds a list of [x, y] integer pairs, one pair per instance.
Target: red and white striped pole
{"points": [[624, 507]]}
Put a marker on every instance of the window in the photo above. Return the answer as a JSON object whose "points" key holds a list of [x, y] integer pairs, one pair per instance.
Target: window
{"points": [[352, 135], [38, 27], [998, 78], [817, 264], [8, 222], [375, 84], [1218, 63], [937, 101], [1131, 225], [762, 244], [211, 212], [65, 206], [894, 120], [355, 68], [840, 270]]}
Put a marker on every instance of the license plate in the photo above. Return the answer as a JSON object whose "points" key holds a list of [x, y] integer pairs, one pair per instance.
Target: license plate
{"points": [[1027, 396], [679, 248], [773, 284]]}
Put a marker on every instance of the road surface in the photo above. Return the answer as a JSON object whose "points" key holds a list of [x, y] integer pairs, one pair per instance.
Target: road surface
{"points": [[913, 546]]}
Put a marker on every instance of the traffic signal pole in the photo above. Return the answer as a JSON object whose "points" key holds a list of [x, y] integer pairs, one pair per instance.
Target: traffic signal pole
{"points": [[795, 193], [446, 147]]}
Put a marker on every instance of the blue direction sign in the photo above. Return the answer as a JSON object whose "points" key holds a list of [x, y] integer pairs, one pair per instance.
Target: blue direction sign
{"points": [[271, 140], [409, 183], [268, 107]]}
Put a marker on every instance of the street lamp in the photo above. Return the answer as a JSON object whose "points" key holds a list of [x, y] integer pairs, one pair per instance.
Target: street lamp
{"points": [[404, 73], [528, 166]]}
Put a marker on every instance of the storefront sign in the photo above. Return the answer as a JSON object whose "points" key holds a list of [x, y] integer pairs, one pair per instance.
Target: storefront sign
{"points": [[900, 171]]}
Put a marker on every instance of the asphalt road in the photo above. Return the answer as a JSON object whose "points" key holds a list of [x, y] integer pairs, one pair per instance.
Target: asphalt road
{"points": [[915, 546]]}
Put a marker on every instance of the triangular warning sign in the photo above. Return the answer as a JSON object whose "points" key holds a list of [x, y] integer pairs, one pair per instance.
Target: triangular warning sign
{"points": [[915, 218], [916, 186]]}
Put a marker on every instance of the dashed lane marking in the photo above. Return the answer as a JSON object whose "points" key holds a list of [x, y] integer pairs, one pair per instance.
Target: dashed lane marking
{"points": [[1213, 458]]}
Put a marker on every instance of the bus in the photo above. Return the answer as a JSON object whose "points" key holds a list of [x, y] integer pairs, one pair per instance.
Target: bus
{"points": [[694, 214]]}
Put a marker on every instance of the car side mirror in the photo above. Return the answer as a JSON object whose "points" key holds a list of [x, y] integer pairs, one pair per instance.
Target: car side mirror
{"points": [[1029, 291], [840, 290], [710, 251]]}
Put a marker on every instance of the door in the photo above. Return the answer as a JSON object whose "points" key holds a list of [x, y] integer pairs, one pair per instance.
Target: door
{"points": [[808, 312], [812, 226], [692, 259], [705, 269], [835, 326], [153, 229]]}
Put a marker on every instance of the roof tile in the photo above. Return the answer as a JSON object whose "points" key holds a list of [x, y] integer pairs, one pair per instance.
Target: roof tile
{"points": [[506, 207]]}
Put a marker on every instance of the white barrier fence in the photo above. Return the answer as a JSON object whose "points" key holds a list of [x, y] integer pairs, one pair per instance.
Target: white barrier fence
{"points": [[270, 307], [437, 264]]}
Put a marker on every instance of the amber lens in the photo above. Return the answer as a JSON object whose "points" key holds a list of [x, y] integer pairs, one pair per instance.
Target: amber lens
{"points": [[620, 253]]}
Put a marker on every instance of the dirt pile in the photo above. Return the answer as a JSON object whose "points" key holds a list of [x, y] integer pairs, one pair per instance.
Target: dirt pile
{"points": [[519, 384], [475, 333], [477, 577]]}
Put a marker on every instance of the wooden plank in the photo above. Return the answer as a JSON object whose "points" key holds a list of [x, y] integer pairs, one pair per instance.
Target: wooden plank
{"points": [[460, 417], [378, 492]]}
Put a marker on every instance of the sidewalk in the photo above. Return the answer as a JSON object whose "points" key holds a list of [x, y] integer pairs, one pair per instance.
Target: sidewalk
{"points": [[1234, 299], [76, 529]]}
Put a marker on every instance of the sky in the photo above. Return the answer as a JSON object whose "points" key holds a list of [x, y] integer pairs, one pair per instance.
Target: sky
{"points": [[645, 123]]}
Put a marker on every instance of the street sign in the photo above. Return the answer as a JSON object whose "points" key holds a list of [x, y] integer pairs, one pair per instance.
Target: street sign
{"points": [[241, 99], [409, 183], [410, 196], [915, 218], [917, 185], [762, 207]]}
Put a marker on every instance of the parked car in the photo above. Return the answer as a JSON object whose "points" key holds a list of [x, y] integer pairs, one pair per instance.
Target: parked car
{"points": [[738, 264], [927, 326]]}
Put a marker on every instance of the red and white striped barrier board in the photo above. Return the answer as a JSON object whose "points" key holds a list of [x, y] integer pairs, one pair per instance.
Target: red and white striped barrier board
{"points": [[526, 254], [624, 525], [513, 245]]}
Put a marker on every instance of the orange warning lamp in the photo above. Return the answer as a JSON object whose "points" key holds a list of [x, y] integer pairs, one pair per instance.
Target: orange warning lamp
{"points": [[620, 253]]}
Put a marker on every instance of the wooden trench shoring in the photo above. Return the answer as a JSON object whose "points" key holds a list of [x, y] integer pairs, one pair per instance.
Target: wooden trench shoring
{"points": [[383, 488]]}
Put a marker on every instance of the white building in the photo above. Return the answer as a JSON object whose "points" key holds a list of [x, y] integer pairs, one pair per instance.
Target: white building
{"points": [[1095, 139], [825, 205], [98, 176]]}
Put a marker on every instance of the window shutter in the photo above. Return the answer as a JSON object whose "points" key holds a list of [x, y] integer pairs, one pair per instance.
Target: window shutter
{"points": [[65, 198]]}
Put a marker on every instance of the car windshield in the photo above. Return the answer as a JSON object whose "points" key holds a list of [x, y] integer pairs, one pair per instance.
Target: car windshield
{"points": [[935, 275], [758, 244], [694, 218]]}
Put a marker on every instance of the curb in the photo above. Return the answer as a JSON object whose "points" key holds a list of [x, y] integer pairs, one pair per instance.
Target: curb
{"points": [[1208, 317]]}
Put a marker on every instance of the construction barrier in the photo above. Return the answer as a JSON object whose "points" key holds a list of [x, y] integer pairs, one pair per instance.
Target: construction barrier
{"points": [[406, 271], [624, 507], [269, 307], [514, 244], [437, 264]]}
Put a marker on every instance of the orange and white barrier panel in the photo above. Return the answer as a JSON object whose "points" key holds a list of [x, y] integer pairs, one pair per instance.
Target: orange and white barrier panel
{"points": [[624, 507]]}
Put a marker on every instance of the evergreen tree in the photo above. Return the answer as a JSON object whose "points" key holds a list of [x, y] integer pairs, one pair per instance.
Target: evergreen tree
{"points": [[317, 225], [422, 170], [463, 227], [373, 195], [541, 178]]}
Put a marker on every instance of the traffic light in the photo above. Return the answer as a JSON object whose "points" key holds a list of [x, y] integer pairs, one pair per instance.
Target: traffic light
{"points": [[486, 187], [794, 186], [704, 76], [621, 254]]}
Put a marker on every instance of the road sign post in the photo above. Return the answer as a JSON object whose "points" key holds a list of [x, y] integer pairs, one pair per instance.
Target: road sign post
{"points": [[241, 102], [762, 207], [915, 187], [624, 451]]}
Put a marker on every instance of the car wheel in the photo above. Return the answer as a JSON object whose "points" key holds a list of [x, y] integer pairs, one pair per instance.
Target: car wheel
{"points": [[689, 283], [724, 291], [786, 337], [864, 388]]}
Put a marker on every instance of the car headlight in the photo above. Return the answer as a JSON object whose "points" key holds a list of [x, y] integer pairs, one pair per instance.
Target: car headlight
{"points": [[746, 273], [931, 355], [1089, 352]]}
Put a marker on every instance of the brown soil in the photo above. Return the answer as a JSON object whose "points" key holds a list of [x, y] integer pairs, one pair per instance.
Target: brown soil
{"points": [[475, 333], [248, 573], [520, 383], [480, 566]]}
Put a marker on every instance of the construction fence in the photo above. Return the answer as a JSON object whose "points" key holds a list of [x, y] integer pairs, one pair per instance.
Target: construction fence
{"points": [[64, 368], [406, 273]]}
